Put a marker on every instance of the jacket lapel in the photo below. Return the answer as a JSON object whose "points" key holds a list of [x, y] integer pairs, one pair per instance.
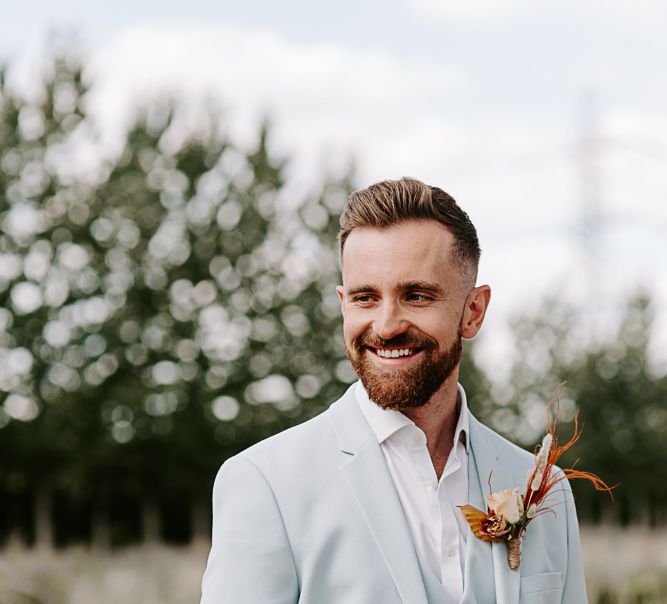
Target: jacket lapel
{"points": [[366, 473], [477, 588], [486, 468]]}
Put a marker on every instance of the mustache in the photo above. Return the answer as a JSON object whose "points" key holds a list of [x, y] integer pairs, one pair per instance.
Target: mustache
{"points": [[409, 339]]}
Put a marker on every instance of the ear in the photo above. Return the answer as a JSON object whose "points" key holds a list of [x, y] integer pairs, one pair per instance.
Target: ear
{"points": [[341, 296], [474, 311]]}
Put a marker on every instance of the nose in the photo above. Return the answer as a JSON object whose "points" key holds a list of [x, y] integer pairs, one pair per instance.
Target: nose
{"points": [[389, 321]]}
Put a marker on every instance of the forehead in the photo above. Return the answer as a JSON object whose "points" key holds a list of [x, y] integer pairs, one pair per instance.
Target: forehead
{"points": [[406, 251]]}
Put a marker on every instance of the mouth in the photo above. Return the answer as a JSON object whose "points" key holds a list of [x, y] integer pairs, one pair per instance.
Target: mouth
{"points": [[395, 355]]}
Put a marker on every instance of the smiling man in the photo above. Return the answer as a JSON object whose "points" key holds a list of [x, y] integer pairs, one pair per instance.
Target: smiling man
{"points": [[361, 504]]}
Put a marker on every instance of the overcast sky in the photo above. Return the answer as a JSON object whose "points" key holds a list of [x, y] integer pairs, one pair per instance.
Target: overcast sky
{"points": [[489, 100]]}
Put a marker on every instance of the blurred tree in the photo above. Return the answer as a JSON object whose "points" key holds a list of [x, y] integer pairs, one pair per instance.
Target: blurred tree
{"points": [[622, 405], [478, 387], [165, 308], [161, 311], [36, 280], [624, 408]]}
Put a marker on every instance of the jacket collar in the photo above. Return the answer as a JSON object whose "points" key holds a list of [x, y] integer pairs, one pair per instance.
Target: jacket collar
{"points": [[386, 422]]}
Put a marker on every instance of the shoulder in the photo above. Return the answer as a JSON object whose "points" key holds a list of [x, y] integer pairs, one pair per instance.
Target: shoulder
{"points": [[309, 453], [294, 455], [290, 470], [276, 463]]}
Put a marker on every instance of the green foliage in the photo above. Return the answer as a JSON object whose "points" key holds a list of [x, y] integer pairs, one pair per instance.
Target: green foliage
{"points": [[622, 406], [158, 318], [624, 409], [165, 308]]}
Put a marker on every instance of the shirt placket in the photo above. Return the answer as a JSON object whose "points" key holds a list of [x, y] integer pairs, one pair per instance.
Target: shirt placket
{"points": [[450, 554], [429, 483]]}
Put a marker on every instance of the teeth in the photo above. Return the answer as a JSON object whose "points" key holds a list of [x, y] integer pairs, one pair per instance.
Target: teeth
{"points": [[393, 354]]}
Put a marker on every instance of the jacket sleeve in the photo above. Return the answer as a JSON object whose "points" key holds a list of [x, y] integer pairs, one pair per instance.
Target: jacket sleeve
{"points": [[250, 560], [574, 587]]}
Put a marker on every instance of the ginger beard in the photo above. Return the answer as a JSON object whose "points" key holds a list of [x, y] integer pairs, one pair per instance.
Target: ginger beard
{"points": [[410, 387]]}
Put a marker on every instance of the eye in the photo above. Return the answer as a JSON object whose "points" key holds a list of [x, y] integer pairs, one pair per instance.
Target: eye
{"points": [[414, 297], [363, 299]]}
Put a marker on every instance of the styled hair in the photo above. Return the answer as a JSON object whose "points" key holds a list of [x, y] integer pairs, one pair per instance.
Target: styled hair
{"points": [[391, 202]]}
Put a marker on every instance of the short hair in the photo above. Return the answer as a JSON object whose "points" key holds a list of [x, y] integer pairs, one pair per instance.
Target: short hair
{"points": [[391, 202]]}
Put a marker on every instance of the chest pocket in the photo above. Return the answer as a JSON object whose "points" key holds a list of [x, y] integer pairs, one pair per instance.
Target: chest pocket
{"points": [[545, 588]]}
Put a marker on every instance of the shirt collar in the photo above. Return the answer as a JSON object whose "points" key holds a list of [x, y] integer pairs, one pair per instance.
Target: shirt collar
{"points": [[386, 422]]}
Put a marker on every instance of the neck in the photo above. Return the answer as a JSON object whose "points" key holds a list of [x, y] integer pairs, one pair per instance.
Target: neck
{"points": [[437, 419]]}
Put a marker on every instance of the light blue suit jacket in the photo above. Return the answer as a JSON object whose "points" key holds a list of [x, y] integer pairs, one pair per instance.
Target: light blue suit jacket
{"points": [[311, 515]]}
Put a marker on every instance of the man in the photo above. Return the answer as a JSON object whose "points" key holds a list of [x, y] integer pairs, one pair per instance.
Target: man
{"points": [[359, 505]]}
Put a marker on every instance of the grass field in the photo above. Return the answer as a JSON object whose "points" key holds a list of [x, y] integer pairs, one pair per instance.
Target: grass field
{"points": [[622, 567], [625, 566]]}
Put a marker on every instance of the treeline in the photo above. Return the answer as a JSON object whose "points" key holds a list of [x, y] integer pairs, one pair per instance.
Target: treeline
{"points": [[173, 304]]}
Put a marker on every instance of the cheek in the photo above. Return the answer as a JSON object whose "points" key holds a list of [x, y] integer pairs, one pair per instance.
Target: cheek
{"points": [[438, 326], [353, 325]]}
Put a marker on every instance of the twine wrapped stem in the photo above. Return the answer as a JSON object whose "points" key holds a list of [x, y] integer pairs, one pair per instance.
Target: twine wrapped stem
{"points": [[514, 553]]}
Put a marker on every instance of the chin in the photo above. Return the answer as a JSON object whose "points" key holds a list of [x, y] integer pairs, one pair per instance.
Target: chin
{"points": [[408, 387]]}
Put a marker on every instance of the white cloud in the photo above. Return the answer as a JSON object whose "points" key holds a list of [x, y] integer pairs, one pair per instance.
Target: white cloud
{"points": [[639, 16], [318, 96], [330, 103], [469, 10], [515, 173]]}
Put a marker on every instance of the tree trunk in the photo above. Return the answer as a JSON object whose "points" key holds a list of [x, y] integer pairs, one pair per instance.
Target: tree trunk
{"points": [[150, 520], [100, 526], [43, 519], [201, 525]]}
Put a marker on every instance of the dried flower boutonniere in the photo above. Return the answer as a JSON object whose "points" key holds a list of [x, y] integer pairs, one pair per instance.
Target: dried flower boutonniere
{"points": [[509, 513]]}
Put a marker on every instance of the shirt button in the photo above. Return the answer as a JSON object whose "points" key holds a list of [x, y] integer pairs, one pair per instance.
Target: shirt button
{"points": [[451, 550], [434, 483], [416, 440]]}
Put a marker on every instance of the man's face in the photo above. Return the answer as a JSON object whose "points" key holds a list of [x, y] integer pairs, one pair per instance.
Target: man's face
{"points": [[402, 304]]}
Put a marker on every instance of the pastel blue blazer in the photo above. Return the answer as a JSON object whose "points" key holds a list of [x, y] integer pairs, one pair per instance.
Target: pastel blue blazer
{"points": [[311, 515]]}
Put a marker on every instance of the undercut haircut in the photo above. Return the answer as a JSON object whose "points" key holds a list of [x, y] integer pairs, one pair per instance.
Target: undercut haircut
{"points": [[392, 202]]}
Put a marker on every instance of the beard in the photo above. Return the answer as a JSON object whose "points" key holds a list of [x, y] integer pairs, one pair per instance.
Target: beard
{"points": [[404, 388]]}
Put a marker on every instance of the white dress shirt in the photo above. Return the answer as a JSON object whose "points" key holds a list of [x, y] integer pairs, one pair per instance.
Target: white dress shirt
{"points": [[437, 526]]}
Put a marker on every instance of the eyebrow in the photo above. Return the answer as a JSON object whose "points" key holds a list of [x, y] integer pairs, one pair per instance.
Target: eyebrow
{"points": [[361, 289], [425, 286]]}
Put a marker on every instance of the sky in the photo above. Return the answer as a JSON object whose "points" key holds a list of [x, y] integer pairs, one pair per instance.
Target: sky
{"points": [[539, 118]]}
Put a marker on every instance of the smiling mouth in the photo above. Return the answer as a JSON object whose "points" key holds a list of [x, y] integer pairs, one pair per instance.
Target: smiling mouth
{"points": [[394, 353]]}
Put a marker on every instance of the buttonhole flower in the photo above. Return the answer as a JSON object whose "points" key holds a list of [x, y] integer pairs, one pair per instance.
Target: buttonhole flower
{"points": [[508, 513]]}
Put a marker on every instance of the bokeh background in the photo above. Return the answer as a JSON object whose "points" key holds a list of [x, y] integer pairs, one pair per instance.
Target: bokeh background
{"points": [[171, 177]]}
